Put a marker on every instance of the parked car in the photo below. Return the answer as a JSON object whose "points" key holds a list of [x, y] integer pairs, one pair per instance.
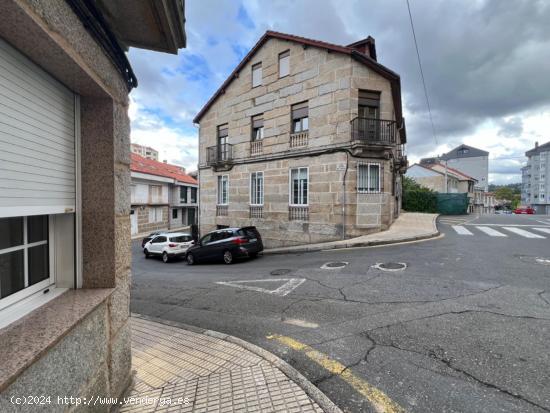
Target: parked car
{"points": [[150, 237], [503, 212], [226, 244], [168, 245], [524, 210]]}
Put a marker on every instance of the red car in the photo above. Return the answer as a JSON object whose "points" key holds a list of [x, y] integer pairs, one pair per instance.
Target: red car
{"points": [[524, 210]]}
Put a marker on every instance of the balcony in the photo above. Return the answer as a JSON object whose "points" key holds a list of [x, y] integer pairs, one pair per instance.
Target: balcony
{"points": [[256, 148], [256, 211], [298, 139], [298, 213], [374, 131], [220, 156], [222, 210]]}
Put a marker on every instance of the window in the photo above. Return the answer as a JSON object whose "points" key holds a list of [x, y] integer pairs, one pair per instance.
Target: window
{"points": [[257, 128], [298, 186], [284, 63], [257, 74], [24, 255], [155, 192], [368, 178], [222, 189], [257, 188], [223, 134], [183, 194], [155, 214], [300, 120], [193, 195], [174, 214], [159, 240], [181, 238]]}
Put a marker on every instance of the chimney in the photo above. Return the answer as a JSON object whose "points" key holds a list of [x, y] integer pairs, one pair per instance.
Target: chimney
{"points": [[366, 46], [536, 145], [165, 161]]}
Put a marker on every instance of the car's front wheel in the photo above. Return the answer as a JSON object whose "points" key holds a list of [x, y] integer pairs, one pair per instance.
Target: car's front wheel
{"points": [[190, 259], [146, 252], [228, 257], [165, 257]]}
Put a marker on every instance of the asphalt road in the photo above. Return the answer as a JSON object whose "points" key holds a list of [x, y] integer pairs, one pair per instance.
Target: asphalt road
{"points": [[464, 328]]}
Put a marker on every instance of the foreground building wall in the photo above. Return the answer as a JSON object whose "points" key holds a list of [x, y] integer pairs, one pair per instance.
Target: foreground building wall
{"points": [[78, 344]]}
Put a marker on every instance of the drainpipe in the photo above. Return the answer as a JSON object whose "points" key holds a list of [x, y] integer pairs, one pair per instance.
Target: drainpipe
{"points": [[344, 198]]}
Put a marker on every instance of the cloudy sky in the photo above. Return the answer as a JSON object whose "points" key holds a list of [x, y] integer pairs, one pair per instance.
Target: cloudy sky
{"points": [[486, 64]]}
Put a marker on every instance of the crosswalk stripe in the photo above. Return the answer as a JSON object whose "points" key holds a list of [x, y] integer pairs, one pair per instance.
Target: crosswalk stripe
{"points": [[461, 230], [491, 232], [523, 233], [546, 230]]}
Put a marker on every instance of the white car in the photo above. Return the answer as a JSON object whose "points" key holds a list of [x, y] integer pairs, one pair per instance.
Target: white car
{"points": [[168, 245]]}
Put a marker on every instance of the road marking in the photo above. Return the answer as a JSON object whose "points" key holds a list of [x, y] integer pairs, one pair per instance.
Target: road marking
{"points": [[523, 233], [461, 230], [300, 323], [503, 225], [545, 230], [491, 232], [287, 287], [380, 401]]}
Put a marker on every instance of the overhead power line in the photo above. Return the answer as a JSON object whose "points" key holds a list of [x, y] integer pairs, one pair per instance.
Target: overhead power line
{"points": [[422, 74]]}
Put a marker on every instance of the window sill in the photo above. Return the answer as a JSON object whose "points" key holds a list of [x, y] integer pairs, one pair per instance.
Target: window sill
{"points": [[24, 341]]}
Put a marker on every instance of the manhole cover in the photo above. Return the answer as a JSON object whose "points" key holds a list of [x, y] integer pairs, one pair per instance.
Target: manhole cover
{"points": [[535, 260], [391, 266], [333, 265], [281, 271]]}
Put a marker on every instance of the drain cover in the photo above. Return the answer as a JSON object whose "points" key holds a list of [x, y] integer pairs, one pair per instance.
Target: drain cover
{"points": [[333, 265], [391, 266], [281, 271]]}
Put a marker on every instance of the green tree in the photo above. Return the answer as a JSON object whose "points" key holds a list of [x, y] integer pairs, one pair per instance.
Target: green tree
{"points": [[504, 192]]}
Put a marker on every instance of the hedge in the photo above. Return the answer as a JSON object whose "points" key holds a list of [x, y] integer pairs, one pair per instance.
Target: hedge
{"points": [[419, 201]]}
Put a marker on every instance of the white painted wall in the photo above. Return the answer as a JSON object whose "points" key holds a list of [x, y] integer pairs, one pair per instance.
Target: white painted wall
{"points": [[476, 167]]}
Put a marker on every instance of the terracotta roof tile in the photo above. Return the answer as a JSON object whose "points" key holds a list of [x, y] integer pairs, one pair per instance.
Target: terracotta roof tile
{"points": [[151, 167]]}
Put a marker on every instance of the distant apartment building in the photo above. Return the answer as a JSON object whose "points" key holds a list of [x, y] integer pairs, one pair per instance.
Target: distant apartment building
{"points": [[145, 151], [163, 196], [469, 160], [536, 179], [305, 140]]}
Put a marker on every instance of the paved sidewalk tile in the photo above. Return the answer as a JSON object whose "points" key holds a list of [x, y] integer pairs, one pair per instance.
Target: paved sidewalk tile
{"points": [[182, 371]]}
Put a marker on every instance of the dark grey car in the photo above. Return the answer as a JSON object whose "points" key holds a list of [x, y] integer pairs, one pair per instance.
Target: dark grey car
{"points": [[226, 245]]}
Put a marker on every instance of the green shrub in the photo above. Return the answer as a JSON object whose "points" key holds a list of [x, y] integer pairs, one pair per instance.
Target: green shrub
{"points": [[419, 200]]}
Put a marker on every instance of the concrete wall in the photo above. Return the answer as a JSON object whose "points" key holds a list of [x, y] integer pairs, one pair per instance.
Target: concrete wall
{"points": [[330, 82], [93, 356], [476, 167]]}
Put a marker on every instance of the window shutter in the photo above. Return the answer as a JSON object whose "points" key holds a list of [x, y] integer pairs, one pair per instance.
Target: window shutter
{"points": [[37, 139], [223, 131], [300, 110], [369, 98], [258, 121]]}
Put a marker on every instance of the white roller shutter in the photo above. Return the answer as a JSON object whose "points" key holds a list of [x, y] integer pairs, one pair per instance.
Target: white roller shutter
{"points": [[37, 139]]}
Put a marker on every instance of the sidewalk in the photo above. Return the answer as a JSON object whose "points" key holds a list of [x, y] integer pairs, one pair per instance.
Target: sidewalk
{"points": [[410, 226], [194, 370]]}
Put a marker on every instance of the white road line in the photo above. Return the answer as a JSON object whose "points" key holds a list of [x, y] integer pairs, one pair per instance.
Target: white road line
{"points": [[523, 233], [287, 287], [545, 230], [491, 232], [461, 230]]}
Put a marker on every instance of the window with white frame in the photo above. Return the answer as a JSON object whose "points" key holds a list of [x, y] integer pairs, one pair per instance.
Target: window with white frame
{"points": [[155, 192], [155, 214], [25, 265], [299, 186], [258, 127], [284, 63], [257, 188], [368, 178], [223, 187], [257, 74]]}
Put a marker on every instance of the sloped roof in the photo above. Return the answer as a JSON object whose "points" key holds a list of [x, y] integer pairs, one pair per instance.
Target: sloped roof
{"points": [[151, 167], [456, 153], [454, 171], [348, 50], [545, 147]]}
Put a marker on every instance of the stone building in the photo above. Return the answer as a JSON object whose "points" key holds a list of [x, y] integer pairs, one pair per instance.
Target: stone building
{"points": [[305, 140], [65, 198], [163, 196]]}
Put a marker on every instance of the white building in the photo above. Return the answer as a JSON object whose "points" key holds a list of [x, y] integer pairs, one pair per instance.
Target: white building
{"points": [[535, 178], [145, 151], [163, 196]]}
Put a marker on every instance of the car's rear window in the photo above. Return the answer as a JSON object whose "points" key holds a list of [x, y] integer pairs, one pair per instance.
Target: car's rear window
{"points": [[181, 238], [247, 232]]}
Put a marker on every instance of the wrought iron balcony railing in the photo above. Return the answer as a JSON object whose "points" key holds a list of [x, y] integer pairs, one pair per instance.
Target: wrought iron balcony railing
{"points": [[219, 154], [376, 131]]}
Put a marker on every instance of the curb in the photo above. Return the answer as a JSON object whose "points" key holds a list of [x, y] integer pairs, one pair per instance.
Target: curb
{"points": [[308, 387]]}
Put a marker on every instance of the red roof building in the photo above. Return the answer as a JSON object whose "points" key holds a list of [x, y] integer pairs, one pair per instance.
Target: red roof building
{"points": [[149, 166]]}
